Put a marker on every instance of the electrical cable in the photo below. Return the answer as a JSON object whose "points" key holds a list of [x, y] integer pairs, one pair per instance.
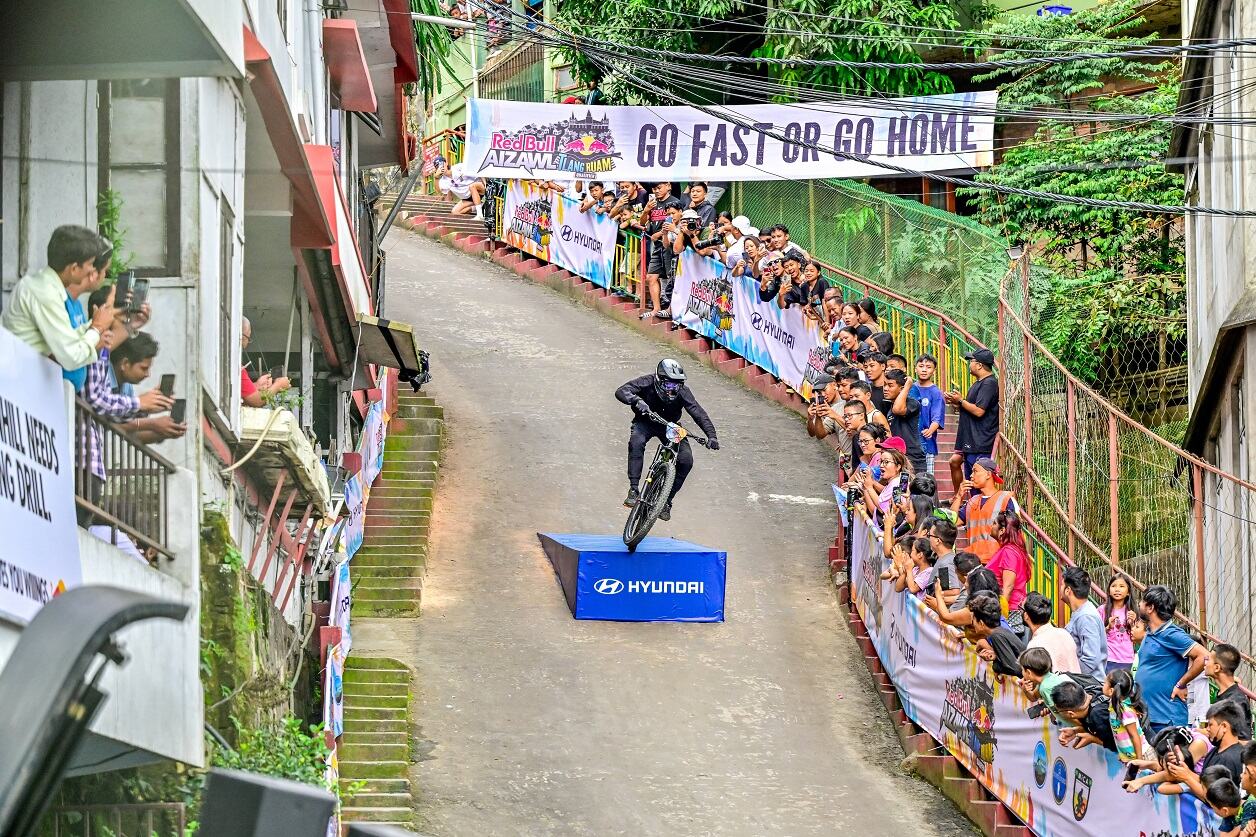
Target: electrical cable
{"points": [[1134, 206]]}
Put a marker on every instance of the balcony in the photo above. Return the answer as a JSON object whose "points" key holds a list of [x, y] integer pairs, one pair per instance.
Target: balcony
{"points": [[281, 455], [143, 536]]}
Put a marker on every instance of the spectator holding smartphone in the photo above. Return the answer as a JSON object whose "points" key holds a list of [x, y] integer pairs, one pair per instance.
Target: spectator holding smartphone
{"points": [[903, 412], [255, 394], [44, 314]]}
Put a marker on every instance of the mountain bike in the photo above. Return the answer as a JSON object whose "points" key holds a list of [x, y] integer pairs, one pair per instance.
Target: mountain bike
{"points": [[656, 489]]}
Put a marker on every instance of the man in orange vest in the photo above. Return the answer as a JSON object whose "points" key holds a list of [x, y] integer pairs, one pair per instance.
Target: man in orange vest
{"points": [[978, 503]]}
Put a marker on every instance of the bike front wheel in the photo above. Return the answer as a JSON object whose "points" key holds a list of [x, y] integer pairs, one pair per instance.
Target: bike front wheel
{"points": [[658, 488]]}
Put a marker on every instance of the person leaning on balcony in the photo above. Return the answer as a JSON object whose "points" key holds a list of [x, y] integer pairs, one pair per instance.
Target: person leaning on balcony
{"points": [[978, 502], [42, 309], [129, 365], [254, 394]]}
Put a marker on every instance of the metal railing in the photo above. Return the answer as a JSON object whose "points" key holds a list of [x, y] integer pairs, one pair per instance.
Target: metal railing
{"points": [[447, 144], [130, 500], [1111, 495], [150, 819]]}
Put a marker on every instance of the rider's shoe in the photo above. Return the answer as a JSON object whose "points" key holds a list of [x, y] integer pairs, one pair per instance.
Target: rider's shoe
{"points": [[666, 514], [632, 498]]}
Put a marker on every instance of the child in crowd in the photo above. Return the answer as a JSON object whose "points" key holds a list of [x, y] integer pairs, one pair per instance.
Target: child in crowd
{"points": [[1126, 712], [917, 577], [1219, 666], [1117, 616], [932, 407], [593, 197], [1175, 745]]}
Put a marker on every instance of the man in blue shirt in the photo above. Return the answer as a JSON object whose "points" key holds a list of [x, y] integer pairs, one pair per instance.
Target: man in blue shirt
{"points": [[1085, 627], [1168, 660]]}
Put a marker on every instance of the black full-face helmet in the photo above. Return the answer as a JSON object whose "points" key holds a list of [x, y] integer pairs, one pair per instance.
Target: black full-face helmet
{"points": [[668, 379]]}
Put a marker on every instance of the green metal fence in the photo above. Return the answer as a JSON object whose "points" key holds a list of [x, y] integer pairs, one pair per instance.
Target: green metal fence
{"points": [[921, 252]]}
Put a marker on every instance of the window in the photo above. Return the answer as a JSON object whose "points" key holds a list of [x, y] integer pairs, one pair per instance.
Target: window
{"points": [[139, 159], [227, 369]]}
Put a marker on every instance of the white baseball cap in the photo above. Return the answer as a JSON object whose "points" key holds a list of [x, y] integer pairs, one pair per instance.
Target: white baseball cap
{"points": [[742, 223]]}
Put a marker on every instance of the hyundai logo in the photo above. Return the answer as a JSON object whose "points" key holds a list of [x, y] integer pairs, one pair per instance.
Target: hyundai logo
{"points": [[756, 320], [608, 586], [566, 233]]}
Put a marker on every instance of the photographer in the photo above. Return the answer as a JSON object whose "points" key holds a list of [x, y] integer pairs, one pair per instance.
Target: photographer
{"points": [[691, 234], [824, 413], [699, 204], [807, 290], [769, 275]]}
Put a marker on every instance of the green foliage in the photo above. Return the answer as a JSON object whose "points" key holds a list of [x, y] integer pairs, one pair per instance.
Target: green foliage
{"points": [[1116, 276], [434, 44], [666, 26], [858, 30], [109, 224], [287, 750]]}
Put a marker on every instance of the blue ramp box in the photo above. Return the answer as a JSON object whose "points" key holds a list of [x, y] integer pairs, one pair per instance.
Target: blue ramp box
{"points": [[665, 580]]}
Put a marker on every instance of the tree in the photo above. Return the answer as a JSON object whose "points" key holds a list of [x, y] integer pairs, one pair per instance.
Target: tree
{"points": [[1116, 276], [859, 30]]}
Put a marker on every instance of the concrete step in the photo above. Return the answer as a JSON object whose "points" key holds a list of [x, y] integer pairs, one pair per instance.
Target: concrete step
{"points": [[376, 573], [374, 769], [387, 607], [358, 702], [388, 786], [378, 800], [373, 752], [377, 713], [385, 583], [387, 592], [392, 728], [353, 674], [373, 738], [395, 816]]}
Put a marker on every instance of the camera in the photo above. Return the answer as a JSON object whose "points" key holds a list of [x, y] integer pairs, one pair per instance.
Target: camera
{"points": [[854, 497], [713, 241]]}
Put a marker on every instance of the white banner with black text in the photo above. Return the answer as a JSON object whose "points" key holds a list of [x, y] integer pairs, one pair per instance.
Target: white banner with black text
{"points": [[806, 141], [550, 226]]}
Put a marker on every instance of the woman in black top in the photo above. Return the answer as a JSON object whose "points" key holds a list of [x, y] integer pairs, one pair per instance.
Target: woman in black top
{"points": [[868, 317]]}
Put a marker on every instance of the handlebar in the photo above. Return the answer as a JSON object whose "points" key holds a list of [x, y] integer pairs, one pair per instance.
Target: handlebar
{"points": [[656, 417]]}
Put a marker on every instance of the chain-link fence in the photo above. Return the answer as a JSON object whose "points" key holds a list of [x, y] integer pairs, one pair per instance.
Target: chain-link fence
{"points": [[922, 252], [1112, 496]]}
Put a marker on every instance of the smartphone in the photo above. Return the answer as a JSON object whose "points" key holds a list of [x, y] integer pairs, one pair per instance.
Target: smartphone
{"points": [[276, 372], [944, 576], [167, 385], [122, 288], [179, 411], [139, 294]]}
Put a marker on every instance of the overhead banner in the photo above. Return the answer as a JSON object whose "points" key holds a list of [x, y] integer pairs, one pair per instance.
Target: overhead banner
{"points": [[709, 299], [821, 139], [40, 555], [550, 226], [981, 719]]}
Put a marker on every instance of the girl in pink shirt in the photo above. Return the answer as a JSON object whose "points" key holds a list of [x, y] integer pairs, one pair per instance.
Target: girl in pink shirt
{"points": [[1117, 616]]}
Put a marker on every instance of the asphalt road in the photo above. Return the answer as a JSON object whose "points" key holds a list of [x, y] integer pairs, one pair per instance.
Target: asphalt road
{"points": [[531, 722]]}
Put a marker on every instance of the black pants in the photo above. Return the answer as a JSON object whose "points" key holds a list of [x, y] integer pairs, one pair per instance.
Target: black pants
{"points": [[642, 432], [663, 262]]}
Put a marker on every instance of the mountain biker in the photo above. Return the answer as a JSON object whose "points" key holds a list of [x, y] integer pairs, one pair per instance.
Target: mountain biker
{"points": [[665, 394]]}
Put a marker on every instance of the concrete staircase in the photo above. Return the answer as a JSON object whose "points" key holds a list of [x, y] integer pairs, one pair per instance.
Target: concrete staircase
{"points": [[374, 748], [390, 566], [388, 581]]}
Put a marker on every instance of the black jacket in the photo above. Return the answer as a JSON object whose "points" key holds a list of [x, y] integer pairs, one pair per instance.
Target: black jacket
{"points": [[643, 388]]}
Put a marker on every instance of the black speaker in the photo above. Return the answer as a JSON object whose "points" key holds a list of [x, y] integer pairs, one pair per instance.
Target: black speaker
{"points": [[247, 805]]}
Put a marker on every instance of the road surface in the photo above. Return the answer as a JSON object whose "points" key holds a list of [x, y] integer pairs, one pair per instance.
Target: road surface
{"points": [[532, 723]]}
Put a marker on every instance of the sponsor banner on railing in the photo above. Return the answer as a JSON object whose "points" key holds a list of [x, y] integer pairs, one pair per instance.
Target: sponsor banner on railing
{"points": [[981, 718], [374, 432], [40, 557], [551, 227], [709, 299], [925, 133]]}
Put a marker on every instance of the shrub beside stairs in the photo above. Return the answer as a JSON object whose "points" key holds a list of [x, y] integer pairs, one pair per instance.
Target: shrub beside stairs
{"points": [[429, 216], [388, 573]]}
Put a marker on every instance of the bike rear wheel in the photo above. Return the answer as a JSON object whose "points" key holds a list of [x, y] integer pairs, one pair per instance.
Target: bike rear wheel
{"points": [[658, 488]]}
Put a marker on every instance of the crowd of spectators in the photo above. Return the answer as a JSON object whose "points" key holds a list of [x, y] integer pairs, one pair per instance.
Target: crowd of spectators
{"points": [[103, 354]]}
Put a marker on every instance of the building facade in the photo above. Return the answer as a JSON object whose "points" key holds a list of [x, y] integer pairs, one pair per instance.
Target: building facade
{"points": [[228, 146]]}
